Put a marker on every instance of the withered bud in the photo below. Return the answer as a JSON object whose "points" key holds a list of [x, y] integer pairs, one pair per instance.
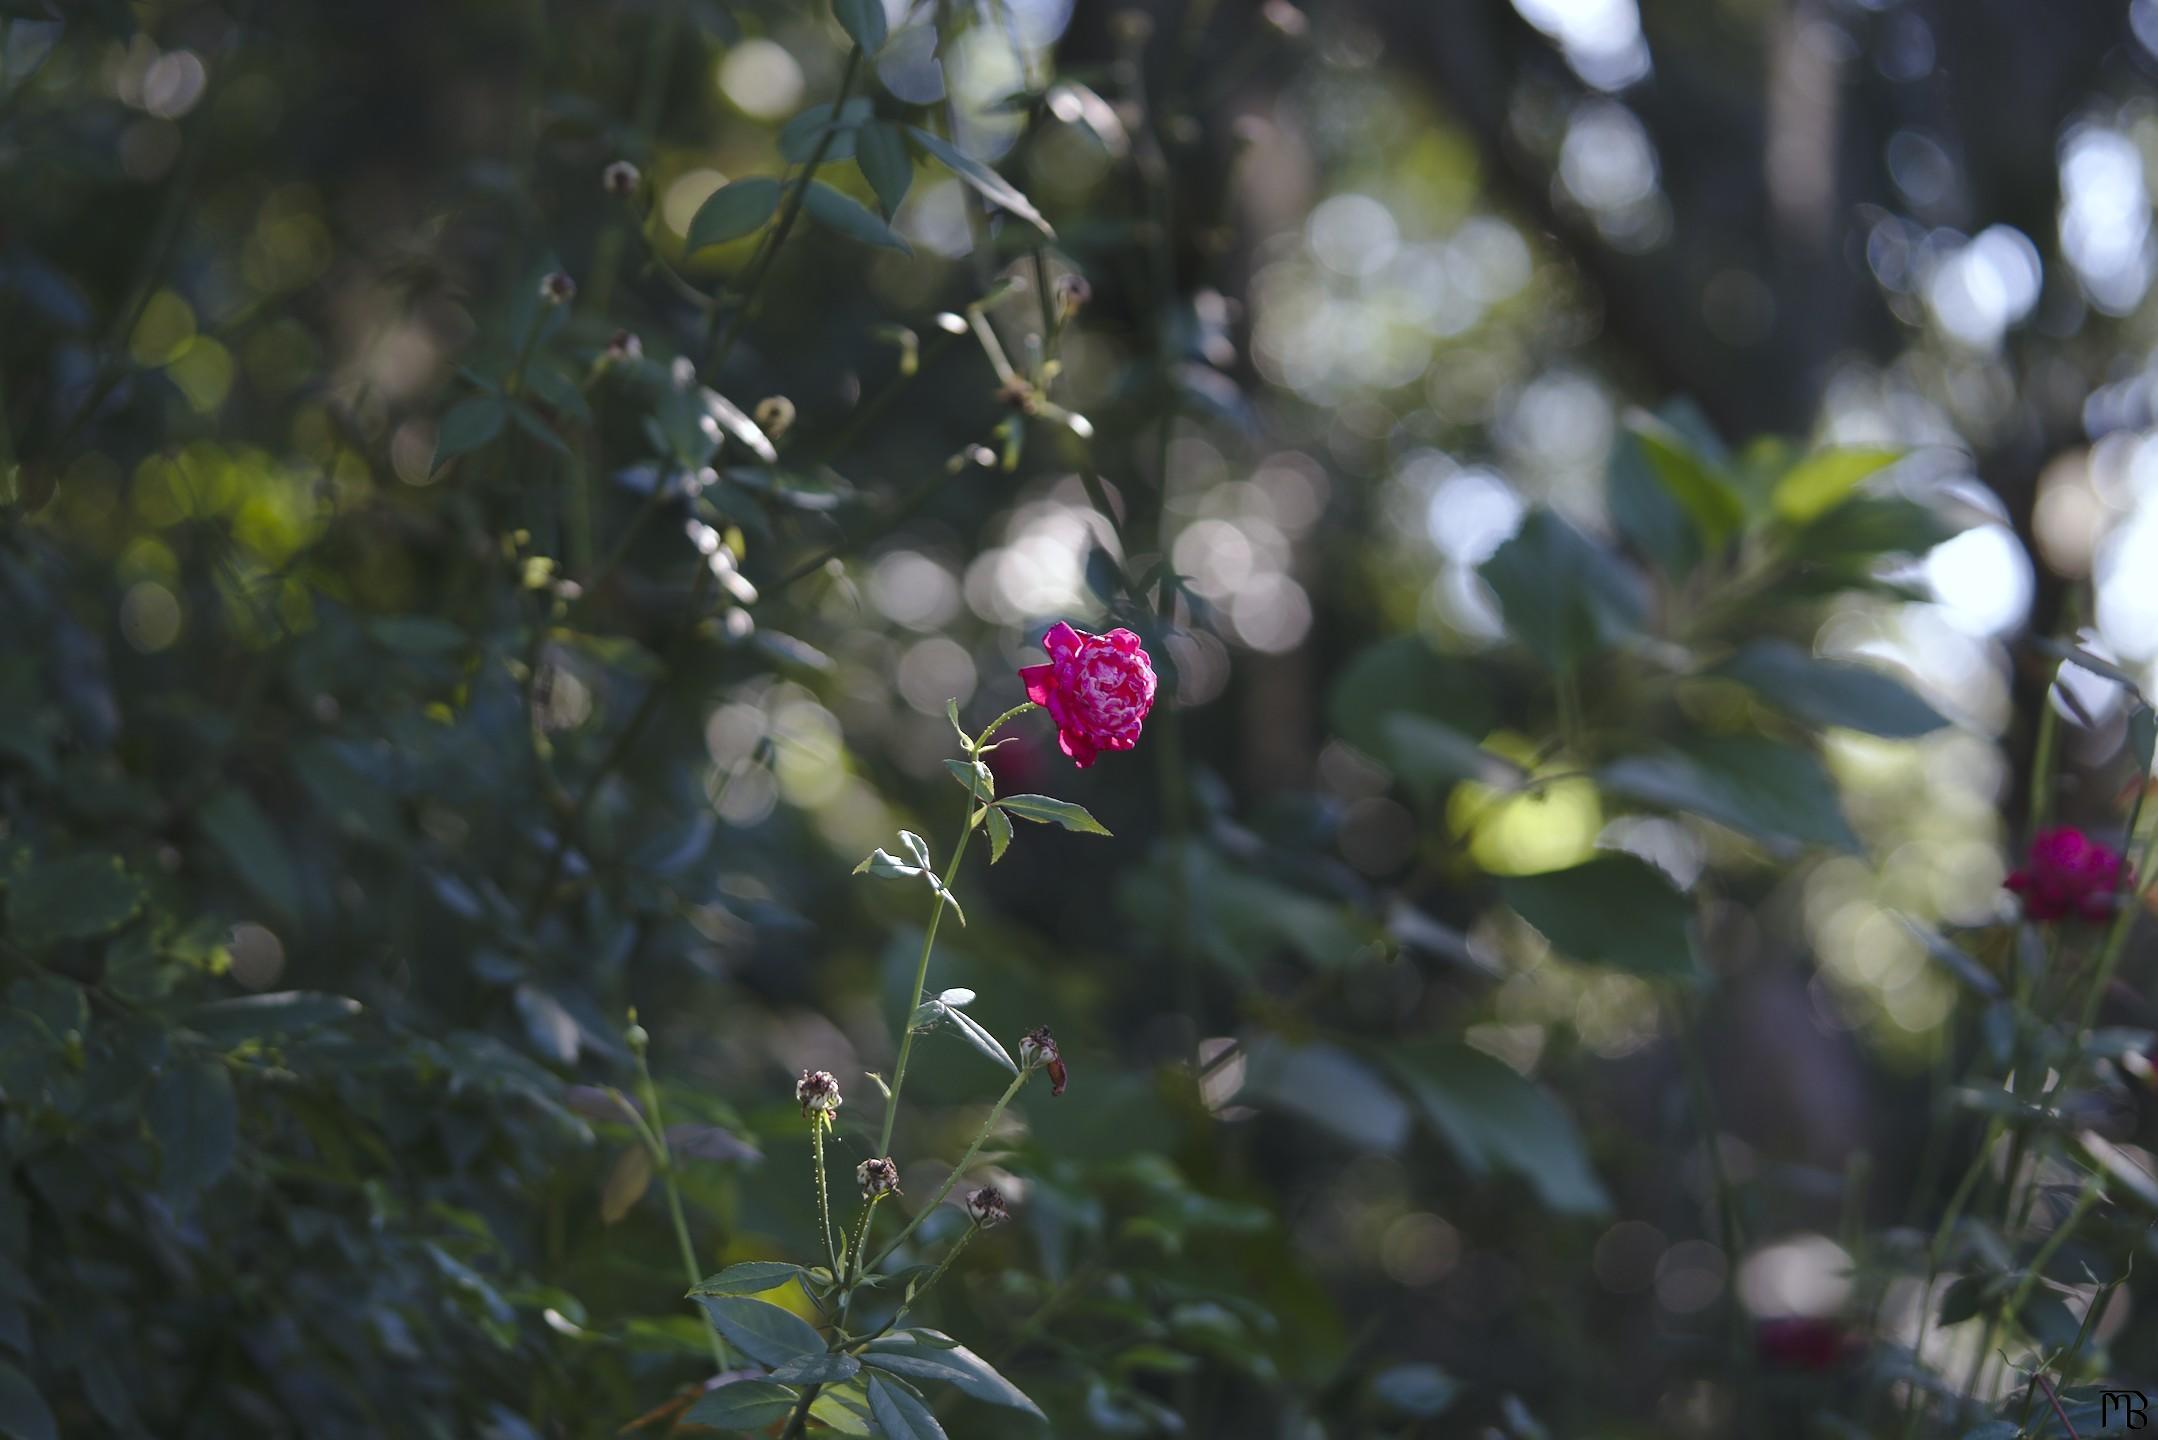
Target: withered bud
{"points": [[1071, 293], [774, 415], [1020, 395], [556, 288], [1039, 1051], [818, 1093], [621, 178], [625, 346], [987, 1207], [877, 1177]]}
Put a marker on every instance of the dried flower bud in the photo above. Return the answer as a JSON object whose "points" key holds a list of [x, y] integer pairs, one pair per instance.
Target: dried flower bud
{"points": [[556, 288], [774, 415], [1039, 1051], [987, 1207], [1020, 395], [1071, 293], [623, 347], [621, 178], [877, 1177], [818, 1093]]}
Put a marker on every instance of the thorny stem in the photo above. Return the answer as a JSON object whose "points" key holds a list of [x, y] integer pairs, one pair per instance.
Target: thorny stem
{"points": [[981, 1137], [2005, 1314], [719, 344]]}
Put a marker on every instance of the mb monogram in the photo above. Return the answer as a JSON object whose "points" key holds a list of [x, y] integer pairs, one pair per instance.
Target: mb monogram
{"points": [[2122, 1409]]}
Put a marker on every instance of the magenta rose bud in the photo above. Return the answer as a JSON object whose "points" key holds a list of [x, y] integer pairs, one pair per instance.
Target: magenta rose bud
{"points": [[1097, 688], [2067, 874]]}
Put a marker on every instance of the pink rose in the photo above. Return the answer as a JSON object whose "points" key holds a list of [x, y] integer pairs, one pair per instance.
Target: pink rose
{"points": [[1097, 688], [2068, 873]]}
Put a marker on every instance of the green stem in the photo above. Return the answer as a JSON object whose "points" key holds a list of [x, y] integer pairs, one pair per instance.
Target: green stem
{"points": [[718, 344], [855, 1268], [2006, 1314], [934, 1276], [651, 100], [921, 981], [824, 1194], [655, 1139], [981, 741], [981, 1137]]}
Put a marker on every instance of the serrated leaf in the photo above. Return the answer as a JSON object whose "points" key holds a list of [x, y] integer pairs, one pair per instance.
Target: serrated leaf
{"points": [[750, 1277], [987, 182], [1048, 810], [732, 211], [971, 1031], [864, 22], [1823, 481], [74, 898], [626, 1184], [881, 153], [1615, 910], [1000, 834], [973, 777], [905, 1353], [818, 1370], [743, 1405], [196, 1122], [844, 215], [886, 866], [468, 425], [1826, 692], [763, 1332], [900, 1413]]}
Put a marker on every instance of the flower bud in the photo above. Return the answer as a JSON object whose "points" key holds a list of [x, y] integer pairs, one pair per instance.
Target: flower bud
{"points": [[774, 415], [877, 1177], [624, 347], [621, 178], [556, 288], [818, 1094], [1038, 1051], [1071, 293], [987, 1207]]}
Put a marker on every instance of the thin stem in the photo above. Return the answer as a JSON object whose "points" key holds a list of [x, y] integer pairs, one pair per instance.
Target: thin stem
{"points": [[980, 1138], [861, 1237], [2092, 1193], [824, 1195], [981, 741], [719, 344], [651, 101], [655, 1138], [921, 980], [934, 1275]]}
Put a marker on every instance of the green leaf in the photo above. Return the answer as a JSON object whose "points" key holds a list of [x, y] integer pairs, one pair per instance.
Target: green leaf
{"points": [[743, 1405], [886, 866], [900, 1413], [1000, 833], [73, 898], [1405, 675], [817, 1370], [751, 1277], [972, 1032], [880, 151], [864, 22], [1827, 692], [800, 137], [732, 211], [1707, 497], [1431, 756], [1645, 513], [845, 215], [470, 423], [626, 1184], [1823, 481], [992, 187], [251, 843], [1495, 1119], [966, 741], [1866, 526], [763, 1332], [1751, 784], [973, 777], [1615, 910], [1564, 596], [918, 848], [1329, 1087], [928, 1355], [196, 1122], [282, 1012], [1044, 809], [24, 1414]]}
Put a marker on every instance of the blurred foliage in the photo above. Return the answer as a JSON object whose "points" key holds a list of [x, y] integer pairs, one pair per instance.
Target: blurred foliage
{"points": [[498, 498]]}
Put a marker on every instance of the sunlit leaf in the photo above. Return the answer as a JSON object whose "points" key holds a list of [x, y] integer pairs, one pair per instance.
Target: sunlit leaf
{"points": [[1046, 810], [763, 1332], [743, 1405], [732, 211], [626, 1184], [1616, 910], [900, 1414], [1824, 480], [880, 150], [1827, 692], [844, 215], [992, 186]]}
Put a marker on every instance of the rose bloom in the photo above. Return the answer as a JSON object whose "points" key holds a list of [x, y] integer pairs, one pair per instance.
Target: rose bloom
{"points": [[1098, 688], [2067, 874]]}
